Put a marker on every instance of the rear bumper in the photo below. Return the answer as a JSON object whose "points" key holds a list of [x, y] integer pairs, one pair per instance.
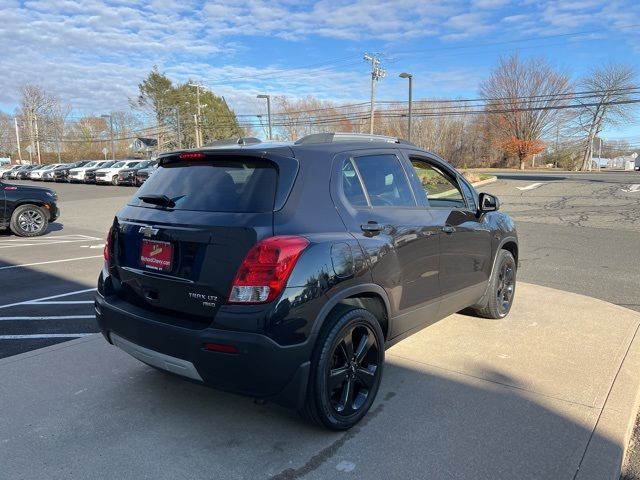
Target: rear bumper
{"points": [[261, 368]]}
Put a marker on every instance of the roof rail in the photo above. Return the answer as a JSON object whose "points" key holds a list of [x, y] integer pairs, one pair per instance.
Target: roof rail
{"points": [[234, 141], [347, 137]]}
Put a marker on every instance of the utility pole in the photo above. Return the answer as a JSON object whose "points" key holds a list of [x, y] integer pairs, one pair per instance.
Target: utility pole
{"points": [[591, 155], [268, 98], [35, 118], [599, 153], [178, 127], [15, 121], [557, 144], [376, 74]]}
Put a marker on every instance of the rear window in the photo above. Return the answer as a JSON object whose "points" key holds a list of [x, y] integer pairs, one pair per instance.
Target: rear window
{"points": [[214, 186]]}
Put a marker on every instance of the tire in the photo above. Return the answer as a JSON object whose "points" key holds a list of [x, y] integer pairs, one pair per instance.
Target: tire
{"points": [[341, 403], [115, 181], [29, 221], [502, 287]]}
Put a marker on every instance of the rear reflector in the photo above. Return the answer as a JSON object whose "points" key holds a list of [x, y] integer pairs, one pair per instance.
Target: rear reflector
{"points": [[220, 347], [266, 268], [191, 156]]}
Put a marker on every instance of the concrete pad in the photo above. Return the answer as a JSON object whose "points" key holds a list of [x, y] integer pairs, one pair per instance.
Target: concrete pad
{"points": [[466, 398], [553, 343]]}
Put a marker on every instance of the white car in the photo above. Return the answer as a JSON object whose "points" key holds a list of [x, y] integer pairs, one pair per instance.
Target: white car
{"points": [[37, 173], [77, 174], [110, 174]]}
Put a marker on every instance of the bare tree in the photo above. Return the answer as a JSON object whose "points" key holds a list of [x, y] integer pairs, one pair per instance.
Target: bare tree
{"points": [[611, 89], [35, 104], [522, 100]]}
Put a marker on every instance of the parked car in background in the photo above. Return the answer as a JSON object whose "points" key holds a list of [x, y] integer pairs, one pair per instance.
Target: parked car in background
{"points": [[90, 173], [77, 174], [6, 173], [128, 176], [27, 210], [60, 173], [143, 174], [36, 174], [283, 272], [23, 173], [110, 174]]}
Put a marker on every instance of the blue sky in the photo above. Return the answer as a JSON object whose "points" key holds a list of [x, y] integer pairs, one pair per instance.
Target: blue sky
{"points": [[93, 54]]}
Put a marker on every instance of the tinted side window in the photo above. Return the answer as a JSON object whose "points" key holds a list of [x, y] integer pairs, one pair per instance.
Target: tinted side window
{"points": [[385, 181], [352, 187], [440, 188]]}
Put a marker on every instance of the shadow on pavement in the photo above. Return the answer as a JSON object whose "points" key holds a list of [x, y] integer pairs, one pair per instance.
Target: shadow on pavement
{"points": [[90, 411]]}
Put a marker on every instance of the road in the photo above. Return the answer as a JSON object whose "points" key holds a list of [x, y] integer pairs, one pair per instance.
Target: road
{"points": [[578, 232]]}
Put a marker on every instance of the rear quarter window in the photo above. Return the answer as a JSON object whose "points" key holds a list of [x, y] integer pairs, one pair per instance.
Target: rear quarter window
{"points": [[214, 186]]}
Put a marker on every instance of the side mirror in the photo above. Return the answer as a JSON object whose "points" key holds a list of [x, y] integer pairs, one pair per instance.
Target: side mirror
{"points": [[488, 203]]}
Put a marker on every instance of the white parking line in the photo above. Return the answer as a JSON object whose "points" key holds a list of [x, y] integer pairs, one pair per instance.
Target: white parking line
{"points": [[55, 317], [4, 245], [36, 300], [79, 302], [47, 238], [51, 261], [632, 188], [44, 335], [530, 187]]}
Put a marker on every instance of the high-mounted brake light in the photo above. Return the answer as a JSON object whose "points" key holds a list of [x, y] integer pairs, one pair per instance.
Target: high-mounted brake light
{"points": [[266, 268], [191, 156]]}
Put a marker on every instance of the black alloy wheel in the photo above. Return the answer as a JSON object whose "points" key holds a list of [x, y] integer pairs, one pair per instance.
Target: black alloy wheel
{"points": [[498, 300], [346, 370]]}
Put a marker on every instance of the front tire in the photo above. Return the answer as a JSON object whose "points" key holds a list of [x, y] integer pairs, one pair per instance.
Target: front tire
{"points": [[115, 180], [502, 286], [29, 221], [346, 369]]}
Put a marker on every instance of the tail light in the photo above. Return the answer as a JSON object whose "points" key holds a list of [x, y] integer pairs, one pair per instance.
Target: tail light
{"points": [[265, 269], [108, 250]]}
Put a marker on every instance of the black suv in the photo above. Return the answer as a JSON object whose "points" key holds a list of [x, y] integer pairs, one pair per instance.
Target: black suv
{"points": [[27, 210], [284, 271]]}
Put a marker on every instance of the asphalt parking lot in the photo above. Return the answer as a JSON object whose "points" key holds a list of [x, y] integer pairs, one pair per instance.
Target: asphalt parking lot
{"points": [[578, 233]]}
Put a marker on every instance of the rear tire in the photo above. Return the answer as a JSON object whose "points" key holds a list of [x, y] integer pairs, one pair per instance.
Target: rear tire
{"points": [[502, 287], [346, 369], [29, 221]]}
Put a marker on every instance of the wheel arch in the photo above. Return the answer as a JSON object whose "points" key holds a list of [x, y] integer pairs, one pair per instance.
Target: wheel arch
{"points": [[369, 296]]}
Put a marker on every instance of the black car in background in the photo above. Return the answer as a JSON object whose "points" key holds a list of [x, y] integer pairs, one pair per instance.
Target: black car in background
{"points": [[60, 174], [27, 210], [90, 173], [143, 174], [284, 271], [129, 176]]}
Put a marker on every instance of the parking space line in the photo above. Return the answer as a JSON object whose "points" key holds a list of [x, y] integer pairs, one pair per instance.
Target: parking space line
{"points": [[55, 317], [74, 302], [15, 245], [36, 300], [51, 261], [44, 335], [530, 187]]}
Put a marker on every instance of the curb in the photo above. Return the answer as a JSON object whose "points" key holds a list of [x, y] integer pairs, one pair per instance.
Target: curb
{"points": [[485, 182], [607, 449]]}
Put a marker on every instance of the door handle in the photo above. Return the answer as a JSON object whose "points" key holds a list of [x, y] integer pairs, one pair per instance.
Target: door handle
{"points": [[371, 227], [448, 229]]}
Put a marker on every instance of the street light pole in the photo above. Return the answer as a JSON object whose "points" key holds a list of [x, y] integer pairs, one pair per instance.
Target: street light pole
{"points": [[268, 113], [410, 77], [113, 152]]}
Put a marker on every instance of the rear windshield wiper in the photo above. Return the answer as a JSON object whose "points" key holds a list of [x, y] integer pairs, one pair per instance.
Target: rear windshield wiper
{"points": [[161, 200]]}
